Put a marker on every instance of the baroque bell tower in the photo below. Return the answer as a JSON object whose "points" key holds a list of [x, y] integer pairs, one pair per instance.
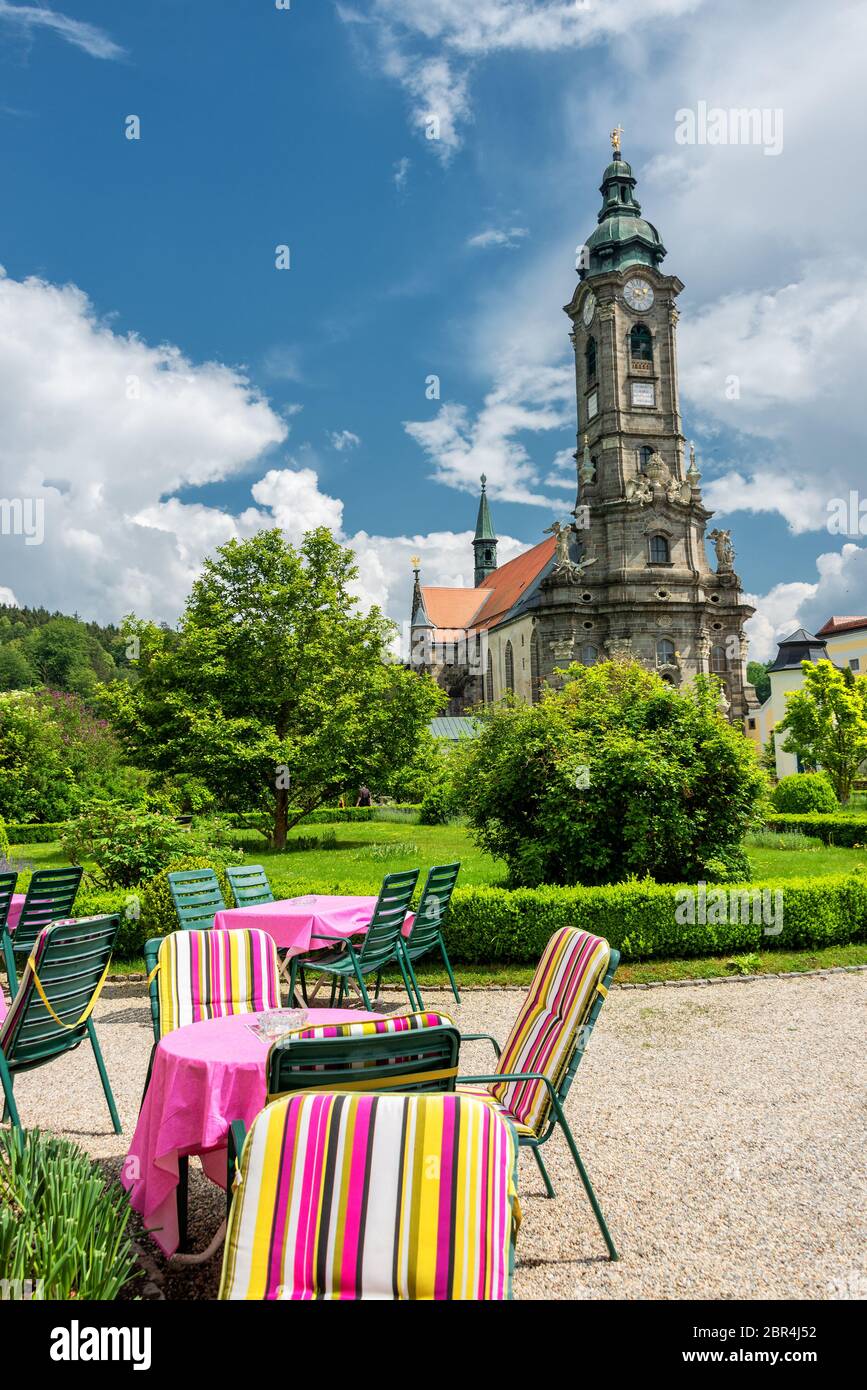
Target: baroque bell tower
{"points": [[636, 567]]}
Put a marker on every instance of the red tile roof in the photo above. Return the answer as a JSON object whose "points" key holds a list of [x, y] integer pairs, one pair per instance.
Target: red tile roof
{"points": [[484, 607], [835, 625]]}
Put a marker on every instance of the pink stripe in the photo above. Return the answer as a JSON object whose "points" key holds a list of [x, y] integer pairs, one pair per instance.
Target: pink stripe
{"points": [[444, 1225], [352, 1202]]}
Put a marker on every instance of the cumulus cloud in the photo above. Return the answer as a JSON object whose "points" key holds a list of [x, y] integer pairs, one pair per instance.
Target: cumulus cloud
{"points": [[343, 439], [27, 18], [496, 236], [7, 597]]}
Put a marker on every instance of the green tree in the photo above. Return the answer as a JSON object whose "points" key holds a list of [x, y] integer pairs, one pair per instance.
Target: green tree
{"points": [[37, 782], [275, 691], [617, 774], [757, 675], [16, 672], [826, 723]]}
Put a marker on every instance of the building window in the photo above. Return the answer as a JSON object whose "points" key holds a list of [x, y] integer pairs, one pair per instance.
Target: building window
{"points": [[640, 343], [510, 668], [535, 670], [590, 360], [660, 553], [718, 662], [489, 680], [751, 723], [645, 454], [855, 664], [665, 652], [589, 654], [592, 405]]}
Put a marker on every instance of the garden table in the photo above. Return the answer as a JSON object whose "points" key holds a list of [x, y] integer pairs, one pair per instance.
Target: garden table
{"points": [[205, 1076], [292, 922]]}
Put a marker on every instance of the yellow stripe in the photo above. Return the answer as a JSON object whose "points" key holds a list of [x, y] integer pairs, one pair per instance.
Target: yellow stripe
{"points": [[393, 1078], [43, 996]]}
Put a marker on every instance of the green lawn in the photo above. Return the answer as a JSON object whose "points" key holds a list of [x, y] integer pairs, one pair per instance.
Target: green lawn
{"points": [[364, 852]]}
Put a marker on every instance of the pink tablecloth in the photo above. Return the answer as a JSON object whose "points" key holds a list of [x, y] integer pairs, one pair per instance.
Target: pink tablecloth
{"points": [[292, 921], [11, 922], [204, 1076]]}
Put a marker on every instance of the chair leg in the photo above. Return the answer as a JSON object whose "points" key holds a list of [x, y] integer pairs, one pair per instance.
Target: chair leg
{"points": [[449, 971], [10, 1110], [540, 1163], [103, 1076], [9, 959], [147, 1078], [412, 975], [361, 985], [588, 1186], [378, 983], [183, 1197], [406, 984]]}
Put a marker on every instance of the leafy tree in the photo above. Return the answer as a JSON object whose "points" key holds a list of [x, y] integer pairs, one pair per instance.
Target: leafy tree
{"points": [[615, 775], [16, 672], [757, 675], [275, 690], [826, 723], [37, 782]]}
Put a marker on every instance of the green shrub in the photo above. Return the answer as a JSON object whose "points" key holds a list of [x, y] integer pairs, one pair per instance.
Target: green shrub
{"points": [[63, 1227], [782, 839], [4, 839], [129, 845], [802, 792], [616, 774], [35, 834], [435, 807], [158, 916], [846, 832], [727, 864]]}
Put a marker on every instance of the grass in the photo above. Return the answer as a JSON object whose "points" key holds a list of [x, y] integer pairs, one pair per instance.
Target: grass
{"points": [[363, 852]]}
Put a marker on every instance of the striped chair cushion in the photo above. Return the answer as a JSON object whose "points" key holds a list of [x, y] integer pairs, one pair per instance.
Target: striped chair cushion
{"points": [[18, 1007], [211, 974], [545, 1033], [374, 1197], [400, 1023]]}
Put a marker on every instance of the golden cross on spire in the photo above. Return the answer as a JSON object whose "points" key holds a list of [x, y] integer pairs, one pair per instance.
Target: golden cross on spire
{"points": [[415, 561], [615, 138]]}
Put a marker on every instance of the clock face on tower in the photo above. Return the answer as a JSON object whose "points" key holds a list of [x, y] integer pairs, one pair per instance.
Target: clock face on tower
{"points": [[589, 308], [638, 293]]}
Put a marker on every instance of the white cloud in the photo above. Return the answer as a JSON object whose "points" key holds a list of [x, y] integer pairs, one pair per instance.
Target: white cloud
{"points": [[496, 236], [840, 589], [401, 173], [343, 439], [92, 40], [7, 597]]}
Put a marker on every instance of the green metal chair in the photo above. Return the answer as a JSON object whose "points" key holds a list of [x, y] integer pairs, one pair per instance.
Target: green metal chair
{"points": [[50, 897], [51, 1012], [381, 945], [536, 1067], [7, 890], [427, 929], [197, 896], [249, 885]]}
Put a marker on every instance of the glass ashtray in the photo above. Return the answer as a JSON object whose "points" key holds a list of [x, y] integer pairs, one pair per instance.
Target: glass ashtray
{"points": [[277, 1022]]}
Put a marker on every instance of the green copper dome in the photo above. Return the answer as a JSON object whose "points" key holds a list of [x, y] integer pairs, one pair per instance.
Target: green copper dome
{"points": [[623, 237]]}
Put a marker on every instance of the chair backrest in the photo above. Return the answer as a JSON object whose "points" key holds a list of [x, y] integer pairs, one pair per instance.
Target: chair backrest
{"points": [[431, 911], [409, 1052], [552, 1025], [7, 889], [197, 896], [249, 885], [68, 962], [388, 918], [210, 974], [50, 898], [374, 1197]]}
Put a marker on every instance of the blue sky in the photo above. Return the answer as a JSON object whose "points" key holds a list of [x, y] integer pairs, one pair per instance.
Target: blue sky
{"points": [[410, 257]]}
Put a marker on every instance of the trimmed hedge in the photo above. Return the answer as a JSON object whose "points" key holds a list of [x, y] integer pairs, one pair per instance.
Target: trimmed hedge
{"points": [[846, 832], [499, 925], [326, 815], [35, 834]]}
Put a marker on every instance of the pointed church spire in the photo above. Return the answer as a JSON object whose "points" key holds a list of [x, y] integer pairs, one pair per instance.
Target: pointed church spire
{"points": [[485, 539], [623, 236], [419, 612]]}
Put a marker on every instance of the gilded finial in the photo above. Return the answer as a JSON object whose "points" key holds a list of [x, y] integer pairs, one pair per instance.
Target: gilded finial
{"points": [[484, 481], [415, 561], [615, 138]]}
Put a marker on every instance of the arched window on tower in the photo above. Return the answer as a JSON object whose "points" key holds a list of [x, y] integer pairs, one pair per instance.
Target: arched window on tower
{"points": [[660, 551], [535, 670], [665, 652], [645, 454], [510, 668], [641, 343], [589, 654], [489, 680], [718, 663], [590, 359]]}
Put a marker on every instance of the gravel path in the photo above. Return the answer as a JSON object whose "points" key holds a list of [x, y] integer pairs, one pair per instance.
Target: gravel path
{"points": [[723, 1128]]}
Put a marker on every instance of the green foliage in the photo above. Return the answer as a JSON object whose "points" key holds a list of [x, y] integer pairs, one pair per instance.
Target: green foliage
{"points": [[130, 845], [617, 774], [436, 806], [35, 834], [158, 916], [826, 723], [16, 672], [276, 679], [727, 864], [757, 675], [849, 832], [801, 792], [4, 839], [794, 841], [63, 1227], [38, 647], [428, 766]]}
